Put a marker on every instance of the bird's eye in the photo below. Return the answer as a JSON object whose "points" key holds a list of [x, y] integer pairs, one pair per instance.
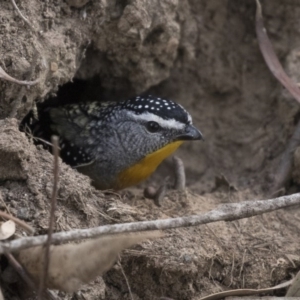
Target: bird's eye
{"points": [[152, 126]]}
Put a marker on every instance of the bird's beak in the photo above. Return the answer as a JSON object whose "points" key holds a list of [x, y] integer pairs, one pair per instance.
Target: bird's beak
{"points": [[191, 133]]}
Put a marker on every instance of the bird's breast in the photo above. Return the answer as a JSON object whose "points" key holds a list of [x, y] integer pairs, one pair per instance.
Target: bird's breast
{"points": [[145, 167]]}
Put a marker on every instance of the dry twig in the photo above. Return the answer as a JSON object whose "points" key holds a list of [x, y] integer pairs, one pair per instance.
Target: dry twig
{"points": [[44, 277], [18, 99], [26, 277], [224, 212], [5, 76], [21, 15], [244, 292], [20, 270], [125, 277]]}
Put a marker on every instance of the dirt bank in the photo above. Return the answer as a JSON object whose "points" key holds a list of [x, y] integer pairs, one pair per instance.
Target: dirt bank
{"points": [[204, 55]]}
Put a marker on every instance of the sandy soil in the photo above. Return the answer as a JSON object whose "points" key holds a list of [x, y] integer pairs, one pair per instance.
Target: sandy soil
{"points": [[203, 54]]}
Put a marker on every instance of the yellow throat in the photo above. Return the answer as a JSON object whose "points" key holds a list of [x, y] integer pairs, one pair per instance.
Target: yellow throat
{"points": [[146, 166]]}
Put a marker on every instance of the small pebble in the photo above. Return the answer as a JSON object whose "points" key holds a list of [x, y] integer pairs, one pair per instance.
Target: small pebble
{"points": [[53, 66]]}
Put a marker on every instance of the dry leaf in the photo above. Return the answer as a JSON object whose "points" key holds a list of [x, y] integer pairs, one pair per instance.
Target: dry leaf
{"points": [[72, 265], [7, 229], [270, 56]]}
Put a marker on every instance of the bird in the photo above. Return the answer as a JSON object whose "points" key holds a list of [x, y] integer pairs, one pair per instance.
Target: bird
{"points": [[117, 144]]}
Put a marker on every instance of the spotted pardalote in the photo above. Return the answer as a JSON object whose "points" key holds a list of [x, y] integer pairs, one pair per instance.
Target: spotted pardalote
{"points": [[117, 144]]}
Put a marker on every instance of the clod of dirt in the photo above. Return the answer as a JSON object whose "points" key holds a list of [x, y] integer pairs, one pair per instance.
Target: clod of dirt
{"points": [[27, 180], [11, 153], [114, 40]]}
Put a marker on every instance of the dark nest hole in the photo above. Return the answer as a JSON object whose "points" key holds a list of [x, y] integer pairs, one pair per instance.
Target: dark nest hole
{"points": [[89, 90]]}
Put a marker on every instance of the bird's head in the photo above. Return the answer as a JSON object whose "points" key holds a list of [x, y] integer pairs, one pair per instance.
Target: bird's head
{"points": [[147, 124]]}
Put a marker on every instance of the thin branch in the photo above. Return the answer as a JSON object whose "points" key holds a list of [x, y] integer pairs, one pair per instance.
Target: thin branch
{"points": [[224, 212], [44, 278], [17, 221], [21, 15], [20, 270], [26, 277], [237, 294], [126, 279], [18, 99], [5, 76], [28, 131]]}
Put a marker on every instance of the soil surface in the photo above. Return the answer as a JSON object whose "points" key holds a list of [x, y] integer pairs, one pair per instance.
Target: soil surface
{"points": [[201, 53]]}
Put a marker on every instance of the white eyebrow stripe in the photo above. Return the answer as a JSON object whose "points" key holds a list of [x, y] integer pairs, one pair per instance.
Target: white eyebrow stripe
{"points": [[170, 123]]}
